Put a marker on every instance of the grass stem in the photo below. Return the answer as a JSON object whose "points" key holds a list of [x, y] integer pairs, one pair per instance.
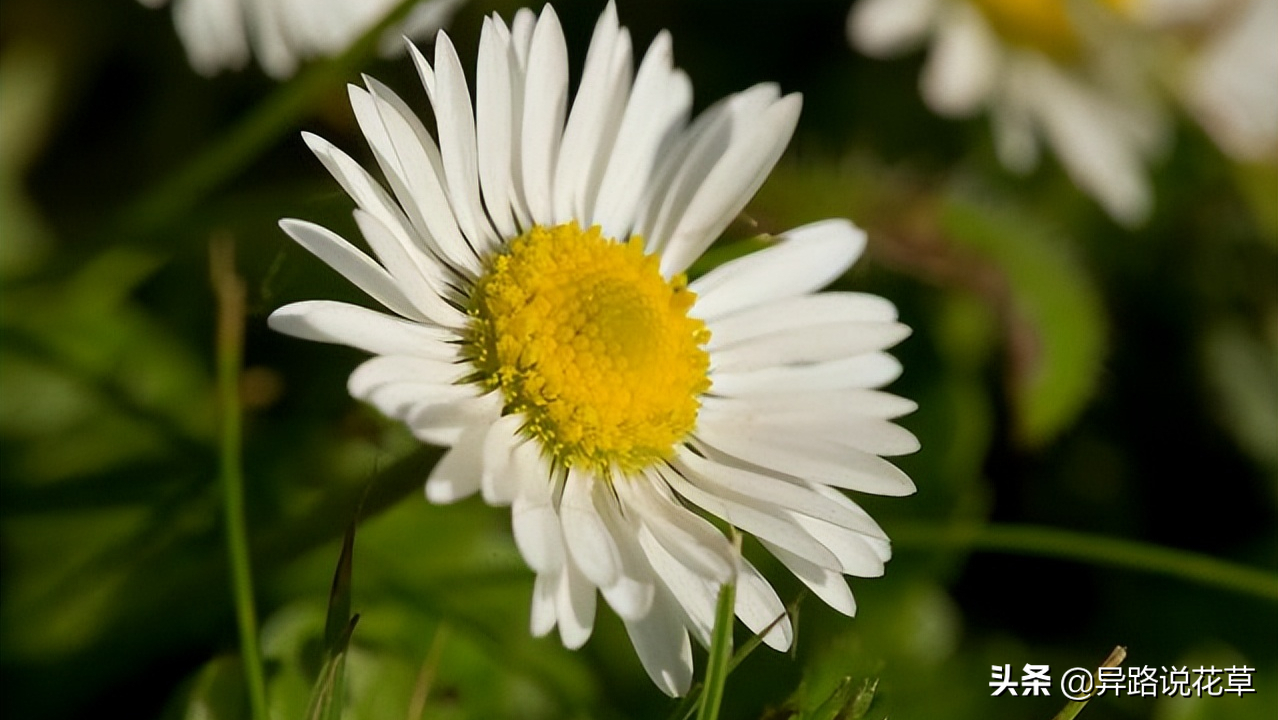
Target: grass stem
{"points": [[230, 293]]}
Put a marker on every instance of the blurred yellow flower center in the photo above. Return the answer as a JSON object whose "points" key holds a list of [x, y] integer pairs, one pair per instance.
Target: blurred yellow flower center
{"points": [[1043, 25], [586, 339]]}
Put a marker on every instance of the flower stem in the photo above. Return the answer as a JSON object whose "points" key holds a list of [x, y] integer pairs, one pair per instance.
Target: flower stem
{"points": [[720, 654], [229, 290], [720, 662], [1093, 549]]}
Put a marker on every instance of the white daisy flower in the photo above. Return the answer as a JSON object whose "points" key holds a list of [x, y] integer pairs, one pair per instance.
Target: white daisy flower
{"points": [[1059, 72], [218, 34], [1228, 71], [543, 329]]}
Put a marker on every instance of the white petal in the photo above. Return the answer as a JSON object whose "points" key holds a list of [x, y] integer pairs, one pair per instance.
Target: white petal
{"points": [[755, 488], [386, 369], [442, 423], [825, 583], [1089, 140], [368, 330], [692, 157], [424, 70], [810, 344], [500, 483], [964, 62], [754, 518], [759, 608], [696, 595], [809, 458], [592, 123], [729, 186], [805, 260], [692, 540], [545, 595], [806, 416], [454, 115], [352, 264], [849, 402], [420, 170], [545, 104], [521, 33], [494, 116], [575, 607], [1015, 138], [213, 34], [858, 555], [881, 28], [516, 42], [662, 643], [818, 309], [456, 475], [414, 273], [269, 35], [631, 596], [659, 101], [356, 181], [591, 545], [1230, 86], [536, 524], [870, 370], [403, 400]]}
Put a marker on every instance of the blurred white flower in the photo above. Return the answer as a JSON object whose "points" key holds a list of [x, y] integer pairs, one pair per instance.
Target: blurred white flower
{"points": [[219, 34], [1227, 69], [543, 329], [1067, 74]]}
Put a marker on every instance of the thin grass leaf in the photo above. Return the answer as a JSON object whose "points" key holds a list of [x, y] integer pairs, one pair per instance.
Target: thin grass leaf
{"points": [[339, 597], [330, 689], [863, 700]]}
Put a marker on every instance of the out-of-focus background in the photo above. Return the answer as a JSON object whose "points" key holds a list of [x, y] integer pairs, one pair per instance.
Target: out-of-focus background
{"points": [[1072, 374]]}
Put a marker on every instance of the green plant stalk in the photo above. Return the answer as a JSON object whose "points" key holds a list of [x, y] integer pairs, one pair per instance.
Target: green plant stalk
{"points": [[1091, 549], [717, 666], [686, 707], [230, 292], [1074, 707]]}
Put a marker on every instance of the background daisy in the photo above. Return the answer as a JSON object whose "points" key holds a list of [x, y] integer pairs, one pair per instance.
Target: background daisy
{"points": [[221, 35], [1063, 74]]}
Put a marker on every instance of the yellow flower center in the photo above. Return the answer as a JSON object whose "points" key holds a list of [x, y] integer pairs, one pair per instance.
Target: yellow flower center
{"points": [[586, 339], [1043, 25]]}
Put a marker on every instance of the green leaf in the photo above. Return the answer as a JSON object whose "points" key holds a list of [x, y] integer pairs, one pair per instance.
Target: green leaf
{"points": [[1054, 320]]}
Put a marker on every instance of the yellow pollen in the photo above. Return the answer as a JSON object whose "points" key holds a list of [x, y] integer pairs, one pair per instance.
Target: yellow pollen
{"points": [[586, 339], [1043, 25]]}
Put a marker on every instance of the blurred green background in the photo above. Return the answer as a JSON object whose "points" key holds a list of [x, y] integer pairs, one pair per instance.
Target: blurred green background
{"points": [[1070, 375]]}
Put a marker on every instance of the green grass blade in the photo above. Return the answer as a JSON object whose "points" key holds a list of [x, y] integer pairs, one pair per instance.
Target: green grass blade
{"points": [[1092, 549], [339, 597]]}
